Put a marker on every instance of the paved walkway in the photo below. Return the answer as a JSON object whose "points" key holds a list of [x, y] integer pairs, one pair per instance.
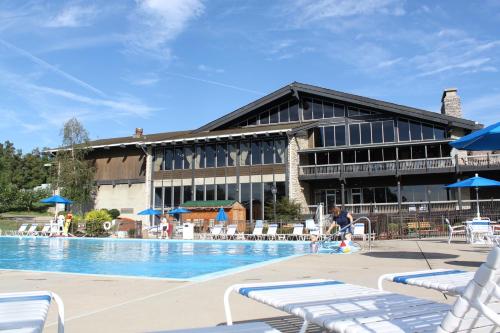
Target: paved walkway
{"points": [[110, 304]]}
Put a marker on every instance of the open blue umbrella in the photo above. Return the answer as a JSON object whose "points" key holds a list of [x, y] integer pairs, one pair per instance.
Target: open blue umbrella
{"points": [[221, 215], [475, 182], [179, 210], [150, 211], [487, 138], [57, 199]]}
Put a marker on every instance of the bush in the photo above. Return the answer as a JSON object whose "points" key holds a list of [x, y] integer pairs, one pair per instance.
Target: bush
{"points": [[131, 233], [95, 220], [114, 213]]}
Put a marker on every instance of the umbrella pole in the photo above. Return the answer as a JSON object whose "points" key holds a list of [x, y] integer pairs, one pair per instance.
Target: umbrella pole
{"points": [[477, 202]]}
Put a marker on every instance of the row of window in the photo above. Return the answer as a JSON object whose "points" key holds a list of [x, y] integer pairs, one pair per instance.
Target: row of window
{"points": [[376, 154], [375, 132], [211, 155], [251, 195], [283, 113]]}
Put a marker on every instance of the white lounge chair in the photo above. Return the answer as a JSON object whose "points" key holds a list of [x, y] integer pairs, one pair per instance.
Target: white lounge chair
{"points": [[27, 311], [32, 230], [450, 281], [257, 327], [216, 231], [298, 232], [454, 230], [22, 229], [257, 231], [312, 227], [271, 233], [231, 231], [343, 308], [45, 230]]}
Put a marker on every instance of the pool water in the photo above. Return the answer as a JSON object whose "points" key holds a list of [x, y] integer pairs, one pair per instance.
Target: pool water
{"points": [[186, 260]]}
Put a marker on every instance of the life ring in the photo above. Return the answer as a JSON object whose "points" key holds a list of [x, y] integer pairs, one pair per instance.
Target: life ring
{"points": [[106, 225]]}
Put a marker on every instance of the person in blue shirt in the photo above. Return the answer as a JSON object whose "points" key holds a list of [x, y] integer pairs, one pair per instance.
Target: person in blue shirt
{"points": [[341, 218]]}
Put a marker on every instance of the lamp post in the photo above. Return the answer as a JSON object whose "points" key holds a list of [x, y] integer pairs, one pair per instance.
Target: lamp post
{"points": [[274, 190]]}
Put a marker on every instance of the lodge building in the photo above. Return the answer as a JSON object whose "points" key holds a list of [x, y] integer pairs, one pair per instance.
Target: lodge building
{"points": [[311, 144]]}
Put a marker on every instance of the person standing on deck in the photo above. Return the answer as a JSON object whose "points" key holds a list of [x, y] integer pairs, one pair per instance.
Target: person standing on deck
{"points": [[342, 218]]}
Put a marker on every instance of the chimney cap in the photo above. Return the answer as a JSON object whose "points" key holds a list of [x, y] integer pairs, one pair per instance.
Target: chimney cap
{"points": [[448, 90]]}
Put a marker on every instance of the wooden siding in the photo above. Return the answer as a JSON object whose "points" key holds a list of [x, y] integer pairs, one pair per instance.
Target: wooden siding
{"points": [[118, 163]]}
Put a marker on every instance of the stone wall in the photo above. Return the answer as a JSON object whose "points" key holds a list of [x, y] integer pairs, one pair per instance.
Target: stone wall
{"points": [[297, 191], [450, 103]]}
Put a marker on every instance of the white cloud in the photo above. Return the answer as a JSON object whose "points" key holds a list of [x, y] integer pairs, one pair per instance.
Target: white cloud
{"points": [[73, 17], [209, 69], [389, 63], [483, 108], [470, 64]]}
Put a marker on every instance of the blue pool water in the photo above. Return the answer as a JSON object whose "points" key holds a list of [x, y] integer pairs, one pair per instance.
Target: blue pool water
{"points": [[145, 258]]}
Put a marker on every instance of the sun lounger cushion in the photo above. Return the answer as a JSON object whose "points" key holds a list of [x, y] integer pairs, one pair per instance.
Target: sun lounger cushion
{"points": [[257, 327]]}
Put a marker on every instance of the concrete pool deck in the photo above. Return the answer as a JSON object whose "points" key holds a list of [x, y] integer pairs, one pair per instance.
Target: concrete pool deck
{"points": [[114, 304]]}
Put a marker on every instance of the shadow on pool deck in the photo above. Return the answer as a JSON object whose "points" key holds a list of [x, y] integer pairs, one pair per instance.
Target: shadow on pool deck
{"points": [[464, 263], [410, 255]]}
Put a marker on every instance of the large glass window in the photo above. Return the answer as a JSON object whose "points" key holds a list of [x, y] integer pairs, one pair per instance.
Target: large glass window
{"points": [[362, 156], [339, 110], [284, 113], [257, 201], [418, 152], [366, 133], [210, 192], [200, 157], [188, 194], [327, 110], [221, 154], [368, 195], [188, 157], [221, 191], [390, 154], [158, 197], [307, 109], [167, 197], [340, 135], [264, 118], [232, 192], [245, 197], [376, 155], [329, 136], [377, 136], [404, 153], [267, 147], [380, 195], [158, 163], [294, 111], [200, 192], [388, 131], [210, 156], [318, 137], [404, 130], [178, 158], [177, 196], [415, 131], [279, 146], [321, 158], [317, 109], [245, 153], [352, 111], [256, 153], [433, 151], [252, 121], [354, 134], [273, 116], [232, 154], [391, 194], [334, 157], [427, 132], [169, 156], [439, 133], [349, 156]]}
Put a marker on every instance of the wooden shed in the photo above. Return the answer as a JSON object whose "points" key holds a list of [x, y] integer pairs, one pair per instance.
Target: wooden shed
{"points": [[203, 213]]}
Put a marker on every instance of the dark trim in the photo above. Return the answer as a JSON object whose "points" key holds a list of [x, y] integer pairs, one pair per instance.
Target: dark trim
{"points": [[374, 145], [120, 181]]}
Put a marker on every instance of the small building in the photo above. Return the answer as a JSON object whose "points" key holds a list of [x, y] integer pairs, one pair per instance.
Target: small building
{"points": [[203, 213]]}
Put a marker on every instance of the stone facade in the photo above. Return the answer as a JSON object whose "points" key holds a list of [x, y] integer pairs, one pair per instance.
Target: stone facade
{"points": [[450, 103], [297, 191]]}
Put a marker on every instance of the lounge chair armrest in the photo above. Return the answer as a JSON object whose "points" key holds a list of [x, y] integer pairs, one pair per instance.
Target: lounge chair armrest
{"points": [[60, 312]]}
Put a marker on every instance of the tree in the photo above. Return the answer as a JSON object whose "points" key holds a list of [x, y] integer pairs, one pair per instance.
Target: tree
{"points": [[75, 174], [286, 210]]}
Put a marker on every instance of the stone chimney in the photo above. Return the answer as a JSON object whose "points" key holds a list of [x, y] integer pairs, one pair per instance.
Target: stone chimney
{"points": [[138, 132], [450, 103]]}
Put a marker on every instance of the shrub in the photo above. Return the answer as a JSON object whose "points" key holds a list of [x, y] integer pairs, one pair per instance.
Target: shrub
{"points": [[131, 233], [95, 220], [114, 213]]}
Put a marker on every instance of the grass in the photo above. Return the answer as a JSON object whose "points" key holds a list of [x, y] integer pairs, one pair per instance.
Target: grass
{"points": [[8, 225], [26, 213]]}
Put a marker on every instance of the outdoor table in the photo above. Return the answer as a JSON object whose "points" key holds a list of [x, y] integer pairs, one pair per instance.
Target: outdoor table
{"points": [[477, 231]]}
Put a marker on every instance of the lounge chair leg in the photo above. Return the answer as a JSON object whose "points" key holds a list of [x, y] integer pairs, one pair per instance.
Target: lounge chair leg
{"points": [[227, 308], [303, 329]]}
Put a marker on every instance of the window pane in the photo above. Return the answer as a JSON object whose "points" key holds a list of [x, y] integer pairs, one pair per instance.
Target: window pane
{"points": [[245, 197], [317, 109], [388, 131], [307, 109], [318, 137], [200, 193], [221, 154], [188, 157], [418, 152], [256, 153], [334, 157], [392, 194], [415, 131], [252, 121], [380, 195], [158, 163], [329, 136], [445, 150], [366, 133], [177, 196], [167, 197], [267, 147], [439, 133], [351, 111], [433, 151], [279, 146], [328, 109], [264, 117], [188, 194], [364, 112], [210, 192], [349, 156], [368, 196], [178, 158], [404, 153], [210, 156], [232, 193], [390, 154], [245, 153], [169, 156], [221, 191], [339, 110], [158, 197], [257, 200], [362, 156], [321, 158], [427, 132], [377, 132], [340, 135], [200, 157], [284, 113], [376, 155], [294, 111], [354, 134], [268, 199], [273, 116], [404, 130], [232, 153]]}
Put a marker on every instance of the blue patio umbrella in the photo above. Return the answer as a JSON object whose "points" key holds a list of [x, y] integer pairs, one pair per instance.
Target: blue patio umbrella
{"points": [[221, 215], [487, 138], [475, 182], [56, 199], [150, 211], [180, 211]]}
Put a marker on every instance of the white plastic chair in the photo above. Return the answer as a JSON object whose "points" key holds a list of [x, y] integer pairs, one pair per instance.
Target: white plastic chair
{"points": [[32, 230], [479, 231], [272, 230], [216, 231], [454, 230], [298, 232], [231, 231], [22, 229], [257, 231], [45, 230], [312, 227]]}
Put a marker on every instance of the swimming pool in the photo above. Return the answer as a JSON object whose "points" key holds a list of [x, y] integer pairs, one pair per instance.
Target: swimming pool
{"points": [[173, 259]]}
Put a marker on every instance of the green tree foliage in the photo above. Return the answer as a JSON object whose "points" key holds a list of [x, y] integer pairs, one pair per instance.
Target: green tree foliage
{"points": [[286, 210], [75, 175]]}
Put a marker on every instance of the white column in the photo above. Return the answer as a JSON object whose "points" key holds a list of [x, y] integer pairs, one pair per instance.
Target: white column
{"points": [[148, 202]]}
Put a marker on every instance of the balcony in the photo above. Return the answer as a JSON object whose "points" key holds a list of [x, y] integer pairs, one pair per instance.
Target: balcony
{"points": [[403, 167]]}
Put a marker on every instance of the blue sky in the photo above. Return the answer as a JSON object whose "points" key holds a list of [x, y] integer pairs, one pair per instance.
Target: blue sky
{"points": [[177, 64]]}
